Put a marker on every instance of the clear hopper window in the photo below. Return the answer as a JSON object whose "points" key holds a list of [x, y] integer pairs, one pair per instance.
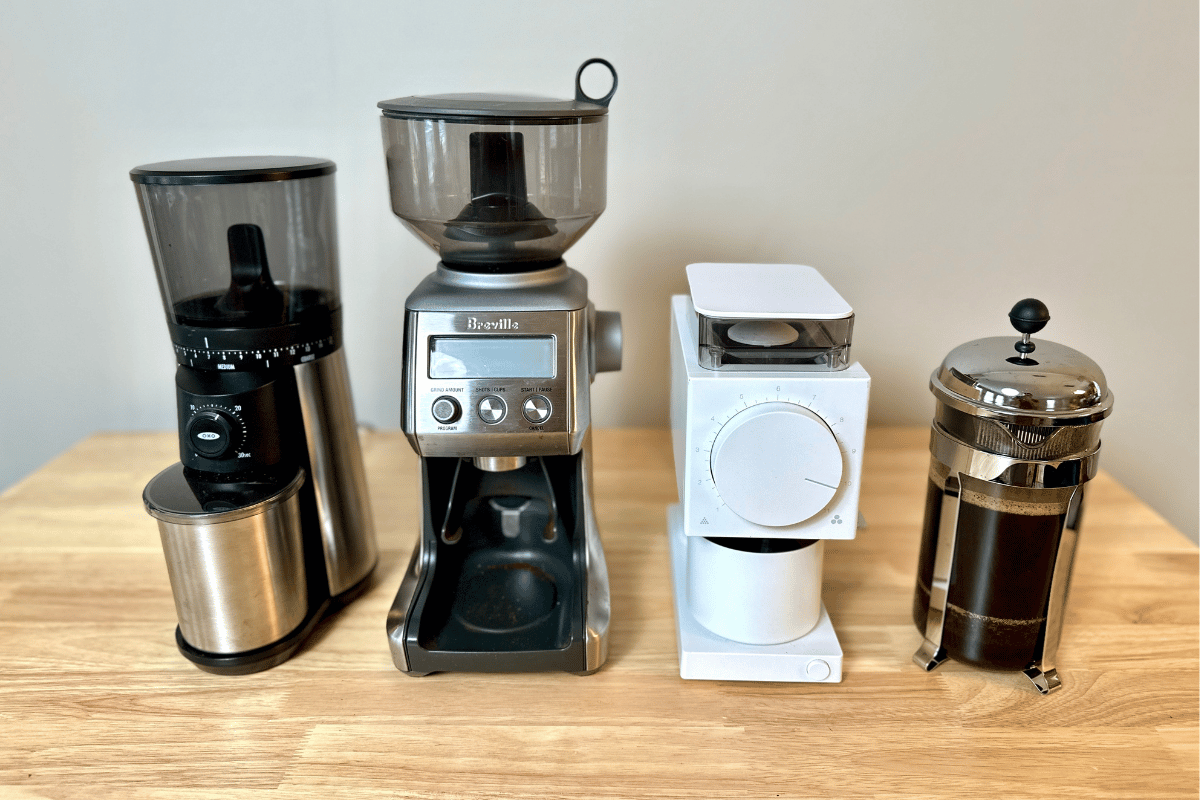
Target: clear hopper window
{"points": [[817, 345]]}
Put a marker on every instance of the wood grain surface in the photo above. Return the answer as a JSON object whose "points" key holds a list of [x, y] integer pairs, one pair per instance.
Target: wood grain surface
{"points": [[95, 701]]}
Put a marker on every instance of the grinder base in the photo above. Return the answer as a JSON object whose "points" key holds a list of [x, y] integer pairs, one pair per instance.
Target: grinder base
{"points": [[276, 653], [815, 657]]}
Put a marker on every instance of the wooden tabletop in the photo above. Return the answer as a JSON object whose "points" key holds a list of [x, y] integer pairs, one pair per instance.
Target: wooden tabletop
{"points": [[95, 701]]}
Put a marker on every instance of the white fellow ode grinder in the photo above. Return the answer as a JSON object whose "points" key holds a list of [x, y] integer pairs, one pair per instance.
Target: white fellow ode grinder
{"points": [[768, 417]]}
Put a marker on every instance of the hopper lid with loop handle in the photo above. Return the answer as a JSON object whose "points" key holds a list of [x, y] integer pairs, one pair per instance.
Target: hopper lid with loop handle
{"points": [[499, 183], [491, 109], [1024, 382]]}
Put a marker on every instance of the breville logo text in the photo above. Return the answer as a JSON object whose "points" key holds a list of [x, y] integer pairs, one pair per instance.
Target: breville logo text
{"points": [[505, 324]]}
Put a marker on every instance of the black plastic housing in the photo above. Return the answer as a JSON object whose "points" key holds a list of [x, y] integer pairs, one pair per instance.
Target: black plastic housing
{"points": [[491, 602]]}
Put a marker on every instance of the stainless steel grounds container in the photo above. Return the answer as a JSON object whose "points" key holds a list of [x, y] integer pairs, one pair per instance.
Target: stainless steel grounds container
{"points": [[1015, 439], [237, 572]]}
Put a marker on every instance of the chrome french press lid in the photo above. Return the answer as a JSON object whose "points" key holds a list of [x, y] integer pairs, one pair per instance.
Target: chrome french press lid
{"points": [[1021, 381]]}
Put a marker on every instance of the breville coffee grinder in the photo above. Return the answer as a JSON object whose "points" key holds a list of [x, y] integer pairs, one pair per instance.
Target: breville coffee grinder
{"points": [[1015, 439], [768, 416], [500, 347], [265, 523]]}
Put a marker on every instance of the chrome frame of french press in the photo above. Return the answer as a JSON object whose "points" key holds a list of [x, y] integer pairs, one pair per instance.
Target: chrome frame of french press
{"points": [[961, 460]]}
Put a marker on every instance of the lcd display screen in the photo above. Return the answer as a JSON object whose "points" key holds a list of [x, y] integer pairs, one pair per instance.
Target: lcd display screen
{"points": [[491, 357]]}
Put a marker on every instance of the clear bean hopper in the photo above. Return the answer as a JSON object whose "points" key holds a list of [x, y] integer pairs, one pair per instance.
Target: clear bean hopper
{"points": [[785, 317]]}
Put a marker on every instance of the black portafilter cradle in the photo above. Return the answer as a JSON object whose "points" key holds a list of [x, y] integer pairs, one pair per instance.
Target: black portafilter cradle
{"points": [[508, 592]]}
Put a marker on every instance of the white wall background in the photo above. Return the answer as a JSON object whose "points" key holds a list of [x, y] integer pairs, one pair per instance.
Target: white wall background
{"points": [[936, 160]]}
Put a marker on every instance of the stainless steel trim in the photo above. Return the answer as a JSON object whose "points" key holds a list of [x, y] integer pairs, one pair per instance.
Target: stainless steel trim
{"points": [[605, 337], [238, 581], [1044, 669], [498, 463], [1008, 471], [398, 613], [557, 289], [1022, 417], [160, 512], [339, 479], [931, 653], [599, 607], [515, 280], [408, 405]]}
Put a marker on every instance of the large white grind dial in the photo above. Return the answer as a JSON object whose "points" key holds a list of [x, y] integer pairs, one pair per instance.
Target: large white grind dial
{"points": [[776, 464]]}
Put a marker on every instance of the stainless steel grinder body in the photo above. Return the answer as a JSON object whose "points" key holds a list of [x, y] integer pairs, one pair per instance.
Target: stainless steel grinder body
{"points": [[493, 585], [1014, 441], [265, 521], [500, 347]]}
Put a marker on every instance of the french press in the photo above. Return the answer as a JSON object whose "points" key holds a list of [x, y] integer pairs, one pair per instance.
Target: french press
{"points": [[1015, 439]]}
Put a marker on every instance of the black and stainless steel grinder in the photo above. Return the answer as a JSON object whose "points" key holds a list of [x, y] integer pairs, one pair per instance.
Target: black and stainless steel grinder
{"points": [[500, 347], [265, 522], [1015, 439]]}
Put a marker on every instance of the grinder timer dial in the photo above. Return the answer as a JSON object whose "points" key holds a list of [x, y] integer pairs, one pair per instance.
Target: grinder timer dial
{"points": [[213, 433], [776, 464]]}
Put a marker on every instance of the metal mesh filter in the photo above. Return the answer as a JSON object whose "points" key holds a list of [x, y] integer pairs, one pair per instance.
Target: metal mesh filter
{"points": [[1029, 442]]}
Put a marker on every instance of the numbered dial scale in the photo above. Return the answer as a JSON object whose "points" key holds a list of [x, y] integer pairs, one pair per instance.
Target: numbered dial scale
{"points": [[763, 451], [238, 349]]}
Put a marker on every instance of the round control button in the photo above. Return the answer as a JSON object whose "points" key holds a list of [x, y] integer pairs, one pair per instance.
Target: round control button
{"points": [[537, 409], [819, 669], [211, 433], [492, 409], [446, 410]]}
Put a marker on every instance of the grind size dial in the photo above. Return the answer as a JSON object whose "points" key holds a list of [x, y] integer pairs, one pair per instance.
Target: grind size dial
{"points": [[776, 464]]}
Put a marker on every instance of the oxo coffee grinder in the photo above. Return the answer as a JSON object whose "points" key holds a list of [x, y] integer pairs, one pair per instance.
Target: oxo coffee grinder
{"points": [[500, 347], [265, 520]]}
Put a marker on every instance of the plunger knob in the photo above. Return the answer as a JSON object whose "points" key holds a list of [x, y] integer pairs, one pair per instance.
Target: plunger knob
{"points": [[1028, 316]]}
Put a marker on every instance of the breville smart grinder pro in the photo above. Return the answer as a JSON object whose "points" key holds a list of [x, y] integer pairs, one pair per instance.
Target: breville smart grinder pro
{"points": [[500, 347]]}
